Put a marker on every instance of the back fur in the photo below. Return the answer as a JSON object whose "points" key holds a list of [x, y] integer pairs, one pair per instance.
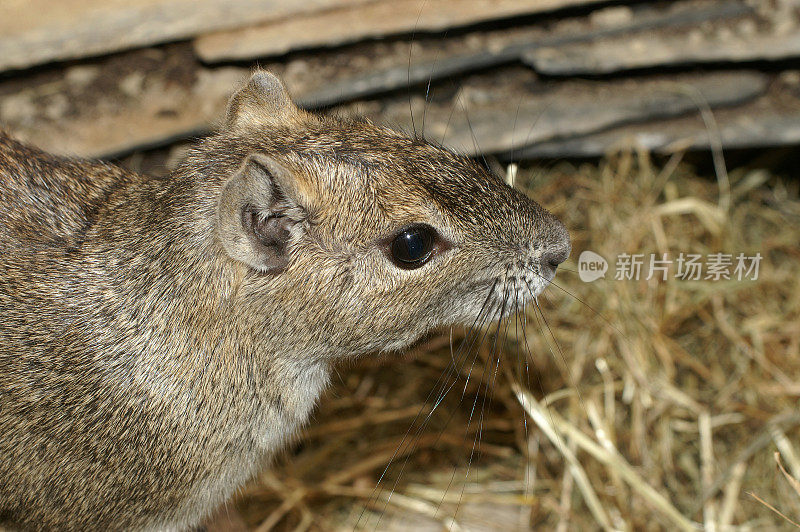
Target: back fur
{"points": [[149, 365]]}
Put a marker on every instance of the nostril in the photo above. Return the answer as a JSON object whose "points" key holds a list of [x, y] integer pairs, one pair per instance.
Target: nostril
{"points": [[555, 257], [552, 258], [554, 246]]}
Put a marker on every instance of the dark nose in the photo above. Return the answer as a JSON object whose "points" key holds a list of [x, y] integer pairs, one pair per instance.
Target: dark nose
{"points": [[551, 258], [556, 250]]}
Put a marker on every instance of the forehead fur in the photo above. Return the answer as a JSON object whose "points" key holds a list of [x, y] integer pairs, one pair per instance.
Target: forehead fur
{"points": [[380, 159], [371, 180]]}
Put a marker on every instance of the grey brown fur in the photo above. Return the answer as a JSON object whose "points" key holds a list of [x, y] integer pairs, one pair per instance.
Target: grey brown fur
{"points": [[154, 354]]}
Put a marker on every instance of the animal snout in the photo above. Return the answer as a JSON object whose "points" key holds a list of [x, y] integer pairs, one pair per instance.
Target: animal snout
{"points": [[555, 257], [552, 258], [556, 250]]}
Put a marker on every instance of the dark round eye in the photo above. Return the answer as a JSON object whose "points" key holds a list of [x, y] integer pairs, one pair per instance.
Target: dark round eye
{"points": [[412, 247]]}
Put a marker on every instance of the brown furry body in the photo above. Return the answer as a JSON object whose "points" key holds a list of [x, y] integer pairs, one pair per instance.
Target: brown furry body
{"points": [[152, 358]]}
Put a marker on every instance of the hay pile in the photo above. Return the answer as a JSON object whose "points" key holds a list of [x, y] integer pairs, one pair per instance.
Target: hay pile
{"points": [[654, 405]]}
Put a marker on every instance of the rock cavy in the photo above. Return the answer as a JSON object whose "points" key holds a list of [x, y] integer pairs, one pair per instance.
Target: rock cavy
{"points": [[162, 337]]}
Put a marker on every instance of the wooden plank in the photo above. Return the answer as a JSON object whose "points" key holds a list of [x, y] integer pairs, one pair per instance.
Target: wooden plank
{"points": [[102, 120], [743, 128], [152, 97], [149, 97], [490, 114], [351, 24], [505, 112], [650, 51], [39, 31], [89, 113], [419, 72]]}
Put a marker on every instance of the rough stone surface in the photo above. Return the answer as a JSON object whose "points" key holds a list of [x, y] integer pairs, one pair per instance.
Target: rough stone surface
{"points": [[502, 113], [649, 51], [40, 31], [350, 24], [755, 128], [462, 88], [421, 70]]}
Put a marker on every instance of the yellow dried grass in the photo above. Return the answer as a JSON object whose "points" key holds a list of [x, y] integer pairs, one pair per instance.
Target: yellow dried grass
{"points": [[654, 405]]}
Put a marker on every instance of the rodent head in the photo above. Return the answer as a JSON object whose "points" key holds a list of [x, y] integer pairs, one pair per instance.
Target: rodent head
{"points": [[359, 239]]}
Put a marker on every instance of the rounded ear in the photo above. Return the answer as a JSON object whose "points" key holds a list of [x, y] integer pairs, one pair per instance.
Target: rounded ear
{"points": [[257, 214], [263, 99]]}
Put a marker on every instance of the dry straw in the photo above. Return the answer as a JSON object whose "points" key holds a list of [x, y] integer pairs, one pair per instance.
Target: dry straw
{"points": [[653, 405]]}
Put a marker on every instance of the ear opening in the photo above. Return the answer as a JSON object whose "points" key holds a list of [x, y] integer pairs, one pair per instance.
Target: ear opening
{"points": [[259, 213]]}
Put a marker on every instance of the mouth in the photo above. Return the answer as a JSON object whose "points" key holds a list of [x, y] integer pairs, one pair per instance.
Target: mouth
{"points": [[503, 296]]}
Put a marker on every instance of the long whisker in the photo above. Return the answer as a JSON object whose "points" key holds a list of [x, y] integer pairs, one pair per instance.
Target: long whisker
{"points": [[582, 302], [530, 130], [408, 70], [440, 390], [558, 346], [463, 393], [475, 144], [563, 268], [461, 399], [441, 397], [491, 386], [514, 129], [449, 119], [527, 355], [486, 366], [505, 342], [428, 87]]}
